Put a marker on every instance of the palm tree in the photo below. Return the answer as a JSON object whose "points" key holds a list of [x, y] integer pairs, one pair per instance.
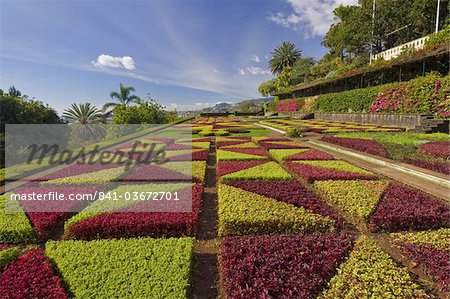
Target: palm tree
{"points": [[123, 97], [86, 123], [283, 56], [83, 114]]}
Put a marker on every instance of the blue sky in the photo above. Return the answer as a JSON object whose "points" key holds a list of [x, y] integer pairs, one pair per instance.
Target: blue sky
{"points": [[186, 54]]}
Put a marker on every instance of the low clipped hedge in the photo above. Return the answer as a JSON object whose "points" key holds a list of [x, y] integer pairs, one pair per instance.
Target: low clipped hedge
{"points": [[14, 226], [134, 268], [356, 100]]}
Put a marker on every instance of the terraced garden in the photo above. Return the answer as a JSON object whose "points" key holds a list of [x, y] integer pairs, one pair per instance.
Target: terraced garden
{"points": [[271, 217]]}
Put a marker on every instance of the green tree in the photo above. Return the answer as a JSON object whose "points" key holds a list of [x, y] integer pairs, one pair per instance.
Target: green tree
{"points": [[267, 88], [84, 113], [123, 97], [283, 56]]}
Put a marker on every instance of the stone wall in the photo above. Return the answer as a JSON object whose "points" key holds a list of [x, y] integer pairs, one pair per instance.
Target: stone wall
{"points": [[399, 120]]}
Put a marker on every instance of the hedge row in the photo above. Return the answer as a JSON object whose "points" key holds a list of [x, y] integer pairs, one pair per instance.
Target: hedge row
{"points": [[135, 268], [242, 212]]}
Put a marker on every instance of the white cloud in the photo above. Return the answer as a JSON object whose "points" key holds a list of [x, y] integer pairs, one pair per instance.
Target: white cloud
{"points": [[253, 70], [313, 16], [125, 62], [256, 59]]}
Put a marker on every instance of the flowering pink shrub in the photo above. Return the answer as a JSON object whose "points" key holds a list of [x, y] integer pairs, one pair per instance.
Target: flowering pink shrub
{"points": [[424, 95], [405, 208], [362, 145], [312, 173], [431, 165], [290, 266], [288, 105], [226, 167], [310, 155], [129, 223], [438, 149], [291, 192], [30, 276], [435, 261]]}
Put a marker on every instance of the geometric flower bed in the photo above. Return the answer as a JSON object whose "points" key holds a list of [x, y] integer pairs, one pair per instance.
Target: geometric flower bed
{"points": [[14, 227], [47, 222], [243, 212], [291, 192], [328, 170], [292, 266], [75, 169], [135, 268], [279, 145], [311, 154], [371, 273], [31, 276], [430, 250], [405, 208], [437, 166], [251, 154], [101, 176], [266, 171], [280, 155], [226, 167], [356, 199], [7, 255], [362, 145], [130, 220]]}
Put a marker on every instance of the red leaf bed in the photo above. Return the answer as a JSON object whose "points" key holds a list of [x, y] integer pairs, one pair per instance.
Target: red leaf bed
{"points": [[312, 173], [404, 208], [290, 266], [362, 145], [194, 156], [226, 167], [220, 144], [435, 261], [153, 173], [438, 149], [51, 219], [250, 151], [272, 145], [75, 169], [310, 155], [291, 192], [128, 224], [30, 276], [441, 167]]}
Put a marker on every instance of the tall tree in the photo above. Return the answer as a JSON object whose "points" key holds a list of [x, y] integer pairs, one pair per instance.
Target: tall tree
{"points": [[123, 97], [283, 56]]}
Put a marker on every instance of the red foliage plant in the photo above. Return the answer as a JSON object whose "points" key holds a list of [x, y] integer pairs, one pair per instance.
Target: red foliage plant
{"points": [[405, 208], [362, 145], [435, 261], [431, 165], [250, 151], [48, 216], [289, 266], [282, 145], [291, 192], [129, 223], [30, 276], [312, 173], [437, 149], [75, 169], [226, 167], [310, 155]]}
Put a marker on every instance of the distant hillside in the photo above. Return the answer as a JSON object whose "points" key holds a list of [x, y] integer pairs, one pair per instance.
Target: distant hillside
{"points": [[252, 105]]}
